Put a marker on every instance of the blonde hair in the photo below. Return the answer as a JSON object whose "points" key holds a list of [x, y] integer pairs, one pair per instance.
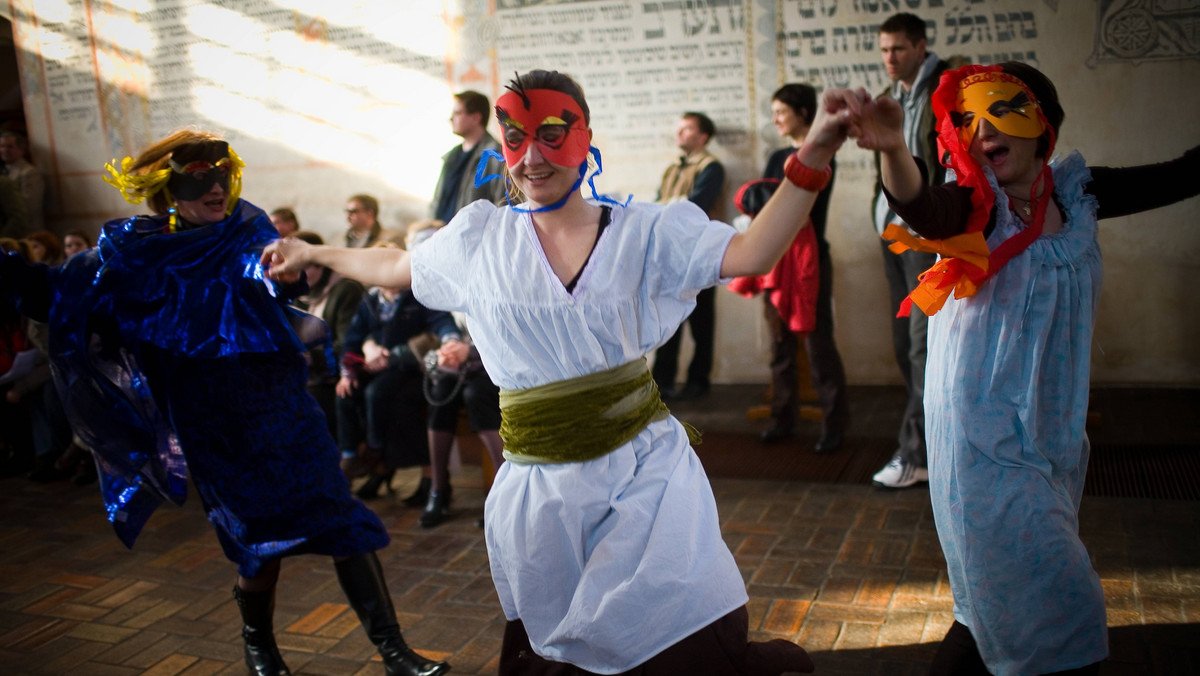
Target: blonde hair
{"points": [[145, 177]]}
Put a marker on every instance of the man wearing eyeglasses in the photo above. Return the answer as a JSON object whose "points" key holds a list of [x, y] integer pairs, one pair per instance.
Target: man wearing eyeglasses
{"points": [[362, 221], [699, 178], [456, 186]]}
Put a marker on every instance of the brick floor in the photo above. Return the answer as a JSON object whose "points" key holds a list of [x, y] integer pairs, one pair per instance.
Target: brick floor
{"points": [[853, 573]]}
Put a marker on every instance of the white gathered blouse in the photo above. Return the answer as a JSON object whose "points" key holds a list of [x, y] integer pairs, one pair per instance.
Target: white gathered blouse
{"points": [[606, 562]]}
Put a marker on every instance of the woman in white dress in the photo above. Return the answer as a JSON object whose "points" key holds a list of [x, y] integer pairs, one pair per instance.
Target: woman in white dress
{"points": [[602, 530]]}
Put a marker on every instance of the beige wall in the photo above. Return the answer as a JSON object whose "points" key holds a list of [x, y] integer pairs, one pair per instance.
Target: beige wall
{"points": [[323, 100]]}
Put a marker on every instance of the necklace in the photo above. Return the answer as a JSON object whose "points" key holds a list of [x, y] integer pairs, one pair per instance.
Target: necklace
{"points": [[1027, 209]]}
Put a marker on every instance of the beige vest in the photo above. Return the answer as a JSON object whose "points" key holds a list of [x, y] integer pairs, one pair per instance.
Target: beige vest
{"points": [[679, 178]]}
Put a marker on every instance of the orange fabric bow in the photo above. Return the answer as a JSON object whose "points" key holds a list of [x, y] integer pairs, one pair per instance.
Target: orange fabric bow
{"points": [[962, 269]]}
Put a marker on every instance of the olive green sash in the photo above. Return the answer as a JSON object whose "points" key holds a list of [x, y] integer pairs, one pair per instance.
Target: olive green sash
{"points": [[582, 418]]}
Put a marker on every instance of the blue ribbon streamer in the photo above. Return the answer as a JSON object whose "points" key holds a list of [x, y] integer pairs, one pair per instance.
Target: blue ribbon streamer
{"points": [[591, 181], [481, 178], [488, 154]]}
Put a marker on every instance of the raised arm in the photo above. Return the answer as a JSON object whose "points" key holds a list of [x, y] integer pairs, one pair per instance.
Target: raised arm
{"points": [[1130, 190], [880, 127], [759, 248], [285, 258]]}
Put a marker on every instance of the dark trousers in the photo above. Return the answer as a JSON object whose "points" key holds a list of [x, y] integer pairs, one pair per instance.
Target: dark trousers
{"points": [[722, 648], [958, 655], [48, 417], [388, 411], [16, 432], [909, 338], [478, 394], [824, 363], [325, 394], [703, 323]]}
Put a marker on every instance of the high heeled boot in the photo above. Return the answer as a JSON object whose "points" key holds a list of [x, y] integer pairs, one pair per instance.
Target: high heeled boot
{"points": [[370, 488], [419, 496], [437, 509], [262, 655], [362, 580]]}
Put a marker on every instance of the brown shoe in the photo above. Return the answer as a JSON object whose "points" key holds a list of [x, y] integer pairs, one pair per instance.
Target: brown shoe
{"points": [[71, 458], [361, 463]]}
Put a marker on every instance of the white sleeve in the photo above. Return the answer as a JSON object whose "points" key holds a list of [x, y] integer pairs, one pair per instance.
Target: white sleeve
{"points": [[441, 264], [686, 250]]}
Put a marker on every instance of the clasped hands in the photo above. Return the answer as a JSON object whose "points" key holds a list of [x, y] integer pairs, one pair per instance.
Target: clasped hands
{"points": [[285, 258], [875, 123]]}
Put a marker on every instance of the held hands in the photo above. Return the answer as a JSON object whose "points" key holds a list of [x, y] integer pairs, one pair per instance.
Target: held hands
{"points": [[453, 353], [285, 258], [375, 357], [834, 120], [877, 123], [880, 126]]}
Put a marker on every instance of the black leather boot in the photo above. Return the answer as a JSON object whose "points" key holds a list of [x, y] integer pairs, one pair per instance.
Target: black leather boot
{"points": [[436, 510], [262, 655], [362, 579], [370, 488], [419, 496]]}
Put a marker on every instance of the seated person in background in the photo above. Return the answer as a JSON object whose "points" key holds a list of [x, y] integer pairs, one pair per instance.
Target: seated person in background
{"points": [[380, 394], [464, 382], [285, 221], [47, 417], [76, 241], [362, 224], [335, 299], [44, 247], [16, 433], [20, 246], [51, 432], [76, 461]]}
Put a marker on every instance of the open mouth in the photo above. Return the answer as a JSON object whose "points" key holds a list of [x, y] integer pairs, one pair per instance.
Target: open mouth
{"points": [[996, 155]]}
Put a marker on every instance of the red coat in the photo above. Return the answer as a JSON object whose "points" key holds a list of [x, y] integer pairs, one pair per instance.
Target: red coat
{"points": [[792, 283]]}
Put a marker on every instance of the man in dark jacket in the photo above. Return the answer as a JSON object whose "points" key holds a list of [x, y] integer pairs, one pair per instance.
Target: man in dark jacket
{"points": [[456, 186], [914, 71]]}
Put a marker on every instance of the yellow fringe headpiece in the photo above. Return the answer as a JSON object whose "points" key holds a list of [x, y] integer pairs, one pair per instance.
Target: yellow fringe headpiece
{"points": [[136, 188]]}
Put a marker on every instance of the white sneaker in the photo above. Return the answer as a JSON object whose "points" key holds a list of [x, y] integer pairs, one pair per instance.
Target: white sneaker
{"points": [[899, 473]]}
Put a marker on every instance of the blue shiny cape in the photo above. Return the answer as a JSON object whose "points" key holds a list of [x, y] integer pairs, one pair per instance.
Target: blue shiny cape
{"points": [[198, 293]]}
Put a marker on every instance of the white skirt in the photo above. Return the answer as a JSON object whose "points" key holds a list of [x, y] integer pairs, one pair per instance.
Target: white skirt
{"points": [[609, 562]]}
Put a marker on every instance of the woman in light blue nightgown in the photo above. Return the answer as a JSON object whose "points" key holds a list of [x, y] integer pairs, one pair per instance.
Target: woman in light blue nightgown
{"points": [[1006, 387]]}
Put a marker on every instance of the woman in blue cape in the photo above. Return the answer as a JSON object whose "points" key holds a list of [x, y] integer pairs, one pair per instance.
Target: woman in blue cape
{"points": [[175, 357]]}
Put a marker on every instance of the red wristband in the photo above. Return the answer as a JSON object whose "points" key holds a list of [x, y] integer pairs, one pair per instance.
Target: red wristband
{"points": [[805, 177]]}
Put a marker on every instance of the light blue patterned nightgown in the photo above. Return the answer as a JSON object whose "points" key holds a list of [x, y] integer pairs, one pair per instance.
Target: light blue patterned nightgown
{"points": [[1006, 399]]}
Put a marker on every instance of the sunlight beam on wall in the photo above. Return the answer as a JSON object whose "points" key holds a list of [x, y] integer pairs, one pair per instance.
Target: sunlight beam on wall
{"points": [[322, 100]]}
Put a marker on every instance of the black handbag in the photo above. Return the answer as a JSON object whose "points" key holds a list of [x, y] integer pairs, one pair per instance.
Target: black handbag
{"points": [[436, 374]]}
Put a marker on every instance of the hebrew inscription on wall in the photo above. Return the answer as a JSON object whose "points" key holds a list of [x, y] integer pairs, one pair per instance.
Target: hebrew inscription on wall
{"points": [[835, 42]]}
